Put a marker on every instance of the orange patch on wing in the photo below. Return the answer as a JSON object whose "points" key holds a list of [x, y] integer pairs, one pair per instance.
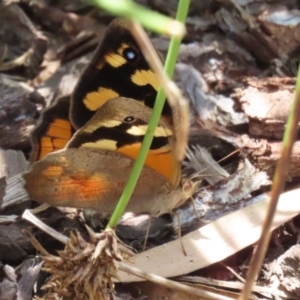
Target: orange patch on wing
{"points": [[87, 188], [56, 137], [161, 160], [46, 147], [60, 128]]}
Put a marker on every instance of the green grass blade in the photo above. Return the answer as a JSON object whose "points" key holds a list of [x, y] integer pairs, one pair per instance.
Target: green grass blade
{"points": [[157, 110]]}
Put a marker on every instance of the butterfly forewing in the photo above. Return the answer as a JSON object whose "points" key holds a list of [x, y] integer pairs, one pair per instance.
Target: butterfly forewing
{"points": [[118, 68]]}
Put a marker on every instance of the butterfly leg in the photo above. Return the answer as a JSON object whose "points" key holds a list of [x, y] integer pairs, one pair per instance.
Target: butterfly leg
{"points": [[179, 232], [147, 232]]}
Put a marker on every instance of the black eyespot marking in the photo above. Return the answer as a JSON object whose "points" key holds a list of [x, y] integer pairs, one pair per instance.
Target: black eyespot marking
{"points": [[130, 54], [129, 119]]}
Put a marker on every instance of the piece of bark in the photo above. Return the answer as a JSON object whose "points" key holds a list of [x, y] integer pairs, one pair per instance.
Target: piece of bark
{"points": [[268, 31], [28, 274], [63, 81], [232, 24], [55, 19], [15, 195], [269, 159], [207, 105], [80, 33], [22, 44], [262, 153], [14, 245], [283, 26], [8, 286], [220, 63], [266, 102], [18, 113], [286, 272], [21, 286], [12, 163]]}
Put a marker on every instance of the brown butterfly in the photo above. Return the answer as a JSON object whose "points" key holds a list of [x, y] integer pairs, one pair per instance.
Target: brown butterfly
{"points": [[95, 166], [91, 167]]}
